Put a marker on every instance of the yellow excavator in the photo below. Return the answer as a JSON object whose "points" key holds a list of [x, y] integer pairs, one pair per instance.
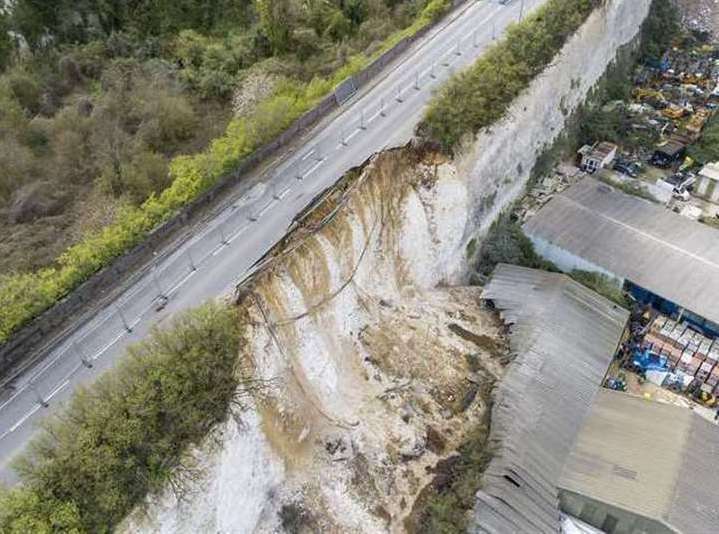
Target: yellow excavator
{"points": [[650, 96], [707, 399], [674, 112]]}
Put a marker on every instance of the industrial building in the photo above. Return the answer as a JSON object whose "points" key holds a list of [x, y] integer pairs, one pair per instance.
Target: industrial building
{"points": [[639, 466], [662, 258], [563, 337]]}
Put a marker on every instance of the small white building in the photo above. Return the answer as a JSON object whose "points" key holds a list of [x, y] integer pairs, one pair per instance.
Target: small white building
{"points": [[598, 156], [706, 182]]}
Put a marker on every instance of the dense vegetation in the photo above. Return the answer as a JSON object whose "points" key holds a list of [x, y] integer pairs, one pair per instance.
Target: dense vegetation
{"points": [[706, 149], [96, 114], [660, 28], [603, 285], [124, 436], [506, 243], [480, 95]]}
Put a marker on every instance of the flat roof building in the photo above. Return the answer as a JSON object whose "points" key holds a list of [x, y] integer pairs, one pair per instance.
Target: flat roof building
{"points": [[640, 466], [563, 337], [662, 257], [597, 156]]}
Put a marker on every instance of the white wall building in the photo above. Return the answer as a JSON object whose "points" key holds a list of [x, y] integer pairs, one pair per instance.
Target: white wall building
{"points": [[706, 183]]}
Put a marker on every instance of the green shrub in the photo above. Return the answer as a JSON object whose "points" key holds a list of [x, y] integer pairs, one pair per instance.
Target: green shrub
{"points": [[443, 507], [123, 437], [481, 95], [506, 243], [25, 88], [659, 29], [24, 296], [706, 149], [7, 46], [604, 285]]}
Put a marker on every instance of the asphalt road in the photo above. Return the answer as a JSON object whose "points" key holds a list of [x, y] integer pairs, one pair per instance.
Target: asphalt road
{"points": [[383, 115]]}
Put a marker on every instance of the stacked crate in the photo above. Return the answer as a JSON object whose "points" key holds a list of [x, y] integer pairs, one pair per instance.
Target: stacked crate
{"points": [[696, 348], [697, 357], [673, 347], [707, 364], [712, 379], [686, 362], [654, 335], [686, 350]]}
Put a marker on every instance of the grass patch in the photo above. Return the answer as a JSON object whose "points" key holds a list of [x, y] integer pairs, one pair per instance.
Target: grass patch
{"points": [[603, 285], [124, 436], [506, 243]]}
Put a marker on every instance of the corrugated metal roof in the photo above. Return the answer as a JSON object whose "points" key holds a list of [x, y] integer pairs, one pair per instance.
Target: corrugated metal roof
{"points": [[657, 460], [563, 337], [635, 239]]}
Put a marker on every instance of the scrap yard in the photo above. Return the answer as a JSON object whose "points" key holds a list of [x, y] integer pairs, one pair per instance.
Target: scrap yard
{"points": [[630, 208]]}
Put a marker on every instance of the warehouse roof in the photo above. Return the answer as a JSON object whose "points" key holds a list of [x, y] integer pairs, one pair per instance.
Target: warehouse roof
{"points": [[635, 239], [563, 337], [657, 460]]}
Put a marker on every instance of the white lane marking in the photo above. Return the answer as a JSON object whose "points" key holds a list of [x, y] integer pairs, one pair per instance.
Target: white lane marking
{"points": [[285, 192], [413, 85], [24, 418], [237, 234], [110, 344], [263, 210], [22, 389], [182, 282], [14, 395], [313, 168], [307, 155], [57, 390]]}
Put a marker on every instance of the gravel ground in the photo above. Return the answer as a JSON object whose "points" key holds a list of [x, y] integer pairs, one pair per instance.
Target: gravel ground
{"points": [[701, 15]]}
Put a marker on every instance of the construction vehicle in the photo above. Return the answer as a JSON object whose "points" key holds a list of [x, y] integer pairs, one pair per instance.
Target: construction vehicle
{"points": [[707, 399], [696, 123], [650, 96], [699, 395], [674, 112]]}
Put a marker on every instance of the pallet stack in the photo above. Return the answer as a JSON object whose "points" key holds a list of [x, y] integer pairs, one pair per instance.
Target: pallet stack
{"points": [[687, 350], [706, 365], [712, 380]]}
